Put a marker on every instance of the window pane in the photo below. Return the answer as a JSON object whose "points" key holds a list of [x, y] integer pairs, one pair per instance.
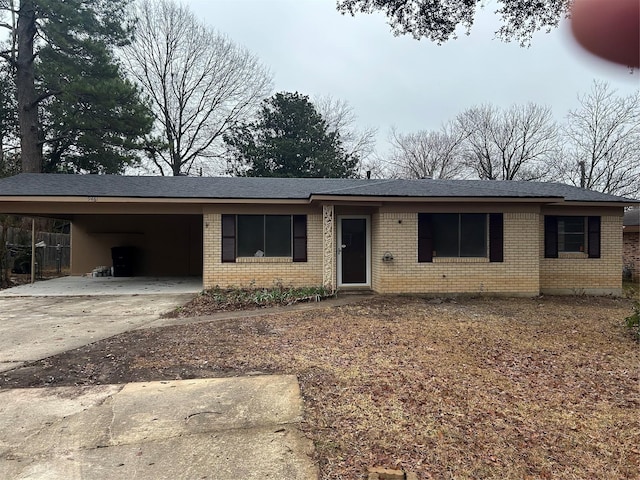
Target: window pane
{"points": [[571, 236], [250, 235], [445, 234], [473, 235], [278, 236]]}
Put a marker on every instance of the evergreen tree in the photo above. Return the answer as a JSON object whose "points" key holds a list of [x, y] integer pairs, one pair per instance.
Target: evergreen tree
{"points": [[8, 125], [96, 123], [69, 38], [289, 139]]}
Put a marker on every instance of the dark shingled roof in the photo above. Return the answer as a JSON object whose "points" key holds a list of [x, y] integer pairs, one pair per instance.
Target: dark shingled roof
{"points": [[39, 184]]}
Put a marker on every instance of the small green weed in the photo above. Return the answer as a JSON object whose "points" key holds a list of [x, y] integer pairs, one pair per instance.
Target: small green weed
{"points": [[633, 321]]}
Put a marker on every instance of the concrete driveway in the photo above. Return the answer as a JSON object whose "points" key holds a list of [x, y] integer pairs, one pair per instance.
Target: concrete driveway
{"points": [[49, 317], [227, 429], [32, 328], [224, 429]]}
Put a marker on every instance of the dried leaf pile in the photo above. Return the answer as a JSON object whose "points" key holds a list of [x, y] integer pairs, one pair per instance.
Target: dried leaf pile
{"points": [[476, 388]]}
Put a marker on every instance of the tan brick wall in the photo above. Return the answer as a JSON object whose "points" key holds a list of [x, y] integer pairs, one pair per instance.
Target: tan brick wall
{"points": [[631, 253], [578, 274], [261, 272], [524, 271], [397, 232]]}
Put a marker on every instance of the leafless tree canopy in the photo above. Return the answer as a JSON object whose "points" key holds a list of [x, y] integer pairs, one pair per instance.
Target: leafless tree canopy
{"points": [[604, 133], [427, 154], [198, 81], [515, 144], [340, 118]]}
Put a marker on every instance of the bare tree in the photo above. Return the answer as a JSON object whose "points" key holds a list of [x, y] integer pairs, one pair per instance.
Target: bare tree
{"points": [[602, 142], [198, 81], [428, 154], [340, 118], [514, 144]]}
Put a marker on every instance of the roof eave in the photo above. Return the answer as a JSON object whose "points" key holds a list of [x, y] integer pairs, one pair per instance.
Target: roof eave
{"points": [[110, 199], [439, 199], [599, 203]]}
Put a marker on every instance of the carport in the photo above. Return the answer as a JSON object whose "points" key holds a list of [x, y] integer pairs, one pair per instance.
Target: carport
{"points": [[164, 233], [161, 245]]}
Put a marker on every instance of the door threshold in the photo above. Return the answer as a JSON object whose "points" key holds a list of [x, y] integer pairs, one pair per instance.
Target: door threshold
{"points": [[355, 290]]}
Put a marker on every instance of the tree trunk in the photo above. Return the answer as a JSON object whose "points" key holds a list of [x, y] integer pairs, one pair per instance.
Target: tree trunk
{"points": [[30, 147]]}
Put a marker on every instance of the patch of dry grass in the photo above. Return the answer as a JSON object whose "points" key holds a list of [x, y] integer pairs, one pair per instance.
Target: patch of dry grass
{"points": [[475, 389]]}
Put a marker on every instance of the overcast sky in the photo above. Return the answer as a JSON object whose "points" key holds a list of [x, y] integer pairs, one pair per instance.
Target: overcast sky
{"points": [[398, 81]]}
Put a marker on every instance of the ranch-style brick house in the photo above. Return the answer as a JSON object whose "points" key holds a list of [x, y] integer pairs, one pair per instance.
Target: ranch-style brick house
{"points": [[388, 236]]}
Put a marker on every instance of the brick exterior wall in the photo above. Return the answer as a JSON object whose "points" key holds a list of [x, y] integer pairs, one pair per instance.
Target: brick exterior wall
{"points": [[394, 229], [631, 253], [265, 271], [576, 273], [397, 232]]}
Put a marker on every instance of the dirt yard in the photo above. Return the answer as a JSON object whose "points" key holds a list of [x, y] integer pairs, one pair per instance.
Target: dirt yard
{"points": [[472, 388]]}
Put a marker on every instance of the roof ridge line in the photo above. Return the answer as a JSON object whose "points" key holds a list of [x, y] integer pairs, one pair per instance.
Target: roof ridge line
{"points": [[376, 181], [490, 186]]}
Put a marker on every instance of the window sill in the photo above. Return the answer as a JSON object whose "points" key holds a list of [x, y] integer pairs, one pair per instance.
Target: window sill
{"points": [[578, 255], [264, 260], [460, 260]]}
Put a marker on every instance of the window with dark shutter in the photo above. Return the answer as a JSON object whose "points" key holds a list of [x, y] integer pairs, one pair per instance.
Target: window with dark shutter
{"points": [[228, 238], [571, 234], [550, 236], [425, 238], [593, 241], [456, 235], [496, 242], [299, 238]]}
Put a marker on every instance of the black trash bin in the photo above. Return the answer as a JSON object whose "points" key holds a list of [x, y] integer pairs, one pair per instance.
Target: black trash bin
{"points": [[123, 261]]}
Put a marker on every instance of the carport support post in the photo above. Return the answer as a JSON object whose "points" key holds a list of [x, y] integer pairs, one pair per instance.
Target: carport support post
{"points": [[33, 250]]}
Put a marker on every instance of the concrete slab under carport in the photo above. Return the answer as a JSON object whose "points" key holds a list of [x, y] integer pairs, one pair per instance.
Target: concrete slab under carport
{"points": [[234, 428], [100, 286]]}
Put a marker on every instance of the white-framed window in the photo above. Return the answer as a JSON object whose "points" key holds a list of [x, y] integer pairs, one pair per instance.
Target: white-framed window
{"points": [[264, 235], [572, 234], [459, 234]]}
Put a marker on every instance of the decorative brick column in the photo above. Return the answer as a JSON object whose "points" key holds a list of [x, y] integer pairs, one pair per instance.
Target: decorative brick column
{"points": [[328, 247]]}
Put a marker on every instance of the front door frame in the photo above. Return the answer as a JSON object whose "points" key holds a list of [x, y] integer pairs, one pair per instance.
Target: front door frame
{"points": [[367, 219]]}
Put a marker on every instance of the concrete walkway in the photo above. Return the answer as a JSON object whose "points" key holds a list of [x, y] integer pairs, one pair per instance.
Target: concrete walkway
{"points": [[224, 429]]}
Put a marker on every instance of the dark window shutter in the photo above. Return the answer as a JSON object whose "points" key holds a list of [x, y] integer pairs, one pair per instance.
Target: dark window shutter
{"points": [[299, 238], [550, 236], [593, 240], [425, 238], [496, 228], [228, 238]]}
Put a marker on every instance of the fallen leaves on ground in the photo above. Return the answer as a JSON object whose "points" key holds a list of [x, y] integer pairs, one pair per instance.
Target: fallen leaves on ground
{"points": [[472, 388]]}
